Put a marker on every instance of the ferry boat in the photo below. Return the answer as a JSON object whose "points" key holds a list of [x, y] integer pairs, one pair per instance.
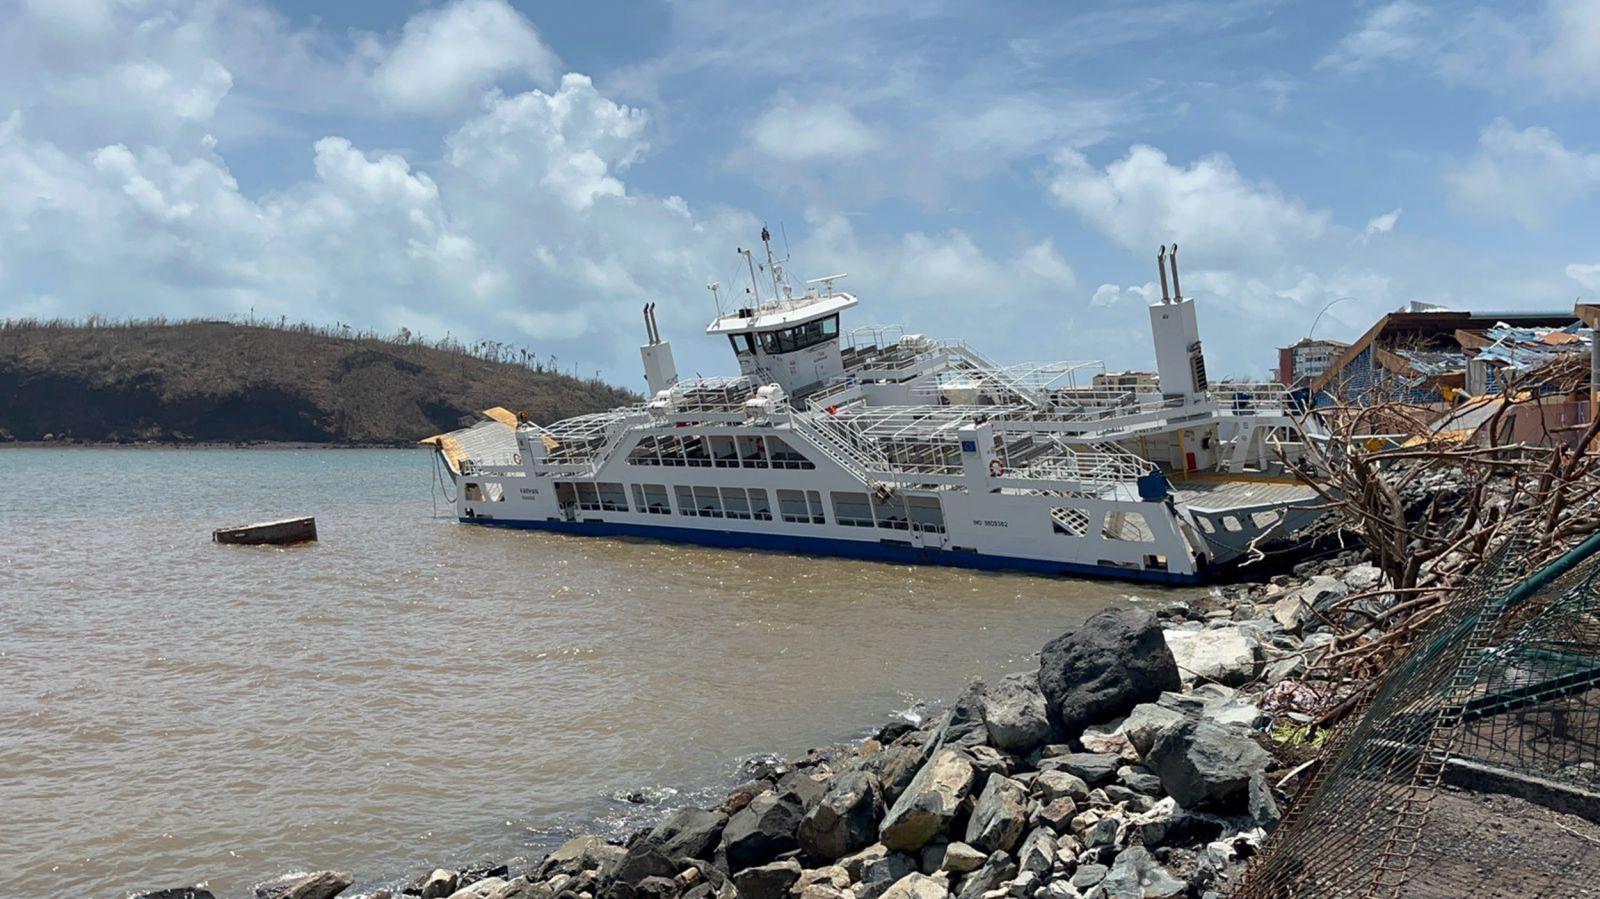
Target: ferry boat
{"points": [[878, 444]]}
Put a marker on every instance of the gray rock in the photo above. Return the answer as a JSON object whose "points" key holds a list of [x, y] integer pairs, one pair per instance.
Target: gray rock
{"points": [[176, 893], [960, 858], [931, 858], [1225, 655], [643, 859], [1139, 780], [880, 874], [1038, 853], [762, 830], [932, 801], [1094, 767], [996, 870], [321, 885], [1058, 815], [1015, 714], [845, 819], [964, 725], [1135, 875], [1101, 670], [854, 863], [999, 817], [1088, 876], [919, 886], [1204, 765], [1054, 784], [1108, 739], [1103, 833], [769, 881], [688, 833], [1260, 805], [1362, 578], [585, 853], [896, 768], [481, 889]]}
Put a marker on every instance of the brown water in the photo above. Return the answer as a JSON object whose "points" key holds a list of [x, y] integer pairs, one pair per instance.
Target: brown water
{"points": [[411, 691]]}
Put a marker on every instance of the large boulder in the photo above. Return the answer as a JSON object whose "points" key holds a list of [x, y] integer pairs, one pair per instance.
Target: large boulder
{"points": [[964, 725], [996, 870], [176, 893], [1102, 669], [1000, 816], [1228, 655], [321, 885], [1095, 768], [844, 819], [762, 830], [919, 886], [770, 881], [896, 767], [1204, 765], [585, 853], [1146, 722], [934, 798], [1015, 714], [880, 874], [688, 833], [1136, 875]]}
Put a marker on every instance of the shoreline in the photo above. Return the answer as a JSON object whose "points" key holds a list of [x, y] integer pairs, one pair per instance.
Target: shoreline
{"points": [[1055, 783], [177, 445]]}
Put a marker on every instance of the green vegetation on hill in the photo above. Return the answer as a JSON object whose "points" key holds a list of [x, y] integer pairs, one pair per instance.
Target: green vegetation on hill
{"points": [[224, 382]]}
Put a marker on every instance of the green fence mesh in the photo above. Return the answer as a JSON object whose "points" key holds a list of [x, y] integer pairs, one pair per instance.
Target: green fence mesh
{"points": [[1474, 765]]}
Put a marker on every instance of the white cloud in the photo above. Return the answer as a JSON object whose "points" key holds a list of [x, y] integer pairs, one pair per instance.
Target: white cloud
{"points": [[571, 141], [792, 132], [1382, 224], [1526, 175], [1587, 274], [446, 56], [1553, 46], [1208, 207], [1388, 32]]}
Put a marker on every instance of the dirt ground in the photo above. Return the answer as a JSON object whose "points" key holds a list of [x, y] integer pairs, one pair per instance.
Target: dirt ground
{"points": [[1490, 846]]}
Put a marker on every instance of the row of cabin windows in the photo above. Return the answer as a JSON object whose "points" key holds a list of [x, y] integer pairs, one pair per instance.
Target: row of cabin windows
{"points": [[724, 502], [918, 513], [787, 340], [718, 452], [898, 513]]}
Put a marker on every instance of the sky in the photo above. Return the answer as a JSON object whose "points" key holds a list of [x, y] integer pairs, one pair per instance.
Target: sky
{"points": [[1002, 172]]}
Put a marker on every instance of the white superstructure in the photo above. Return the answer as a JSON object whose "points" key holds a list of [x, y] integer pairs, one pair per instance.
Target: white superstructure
{"points": [[883, 445]]}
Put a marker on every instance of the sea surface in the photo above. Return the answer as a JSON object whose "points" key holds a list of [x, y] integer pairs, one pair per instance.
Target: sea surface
{"points": [[411, 691]]}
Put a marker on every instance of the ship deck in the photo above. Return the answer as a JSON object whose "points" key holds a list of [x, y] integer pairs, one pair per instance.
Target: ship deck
{"points": [[1211, 493]]}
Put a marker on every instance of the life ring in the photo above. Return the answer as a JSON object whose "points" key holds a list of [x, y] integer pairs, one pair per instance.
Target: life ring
{"points": [[516, 458], [996, 468]]}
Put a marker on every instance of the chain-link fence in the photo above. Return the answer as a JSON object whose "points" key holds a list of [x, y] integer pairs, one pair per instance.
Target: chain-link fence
{"points": [[1473, 767]]}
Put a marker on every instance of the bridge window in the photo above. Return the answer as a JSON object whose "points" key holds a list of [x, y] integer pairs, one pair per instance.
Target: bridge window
{"points": [[800, 337], [743, 344], [852, 510]]}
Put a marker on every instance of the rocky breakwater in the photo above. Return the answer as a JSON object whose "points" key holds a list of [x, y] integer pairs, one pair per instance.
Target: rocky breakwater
{"points": [[1134, 762]]}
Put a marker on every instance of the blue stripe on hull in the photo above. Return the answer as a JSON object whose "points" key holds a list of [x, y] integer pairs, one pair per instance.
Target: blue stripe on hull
{"points": [[870, 550]]}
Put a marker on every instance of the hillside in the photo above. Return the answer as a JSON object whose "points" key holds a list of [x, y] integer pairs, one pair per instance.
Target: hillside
{"points": [[222, 382]]}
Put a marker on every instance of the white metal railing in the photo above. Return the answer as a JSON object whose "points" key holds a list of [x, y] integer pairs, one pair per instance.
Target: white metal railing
{"points": [[843, 447]]}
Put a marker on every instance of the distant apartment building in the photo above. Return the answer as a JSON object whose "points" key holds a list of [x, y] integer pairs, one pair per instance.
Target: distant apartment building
{"points": [[1127, 380], [1307, 359]]}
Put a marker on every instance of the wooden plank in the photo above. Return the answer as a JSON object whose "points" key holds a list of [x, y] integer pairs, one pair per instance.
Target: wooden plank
{"points": [[275, 533]]}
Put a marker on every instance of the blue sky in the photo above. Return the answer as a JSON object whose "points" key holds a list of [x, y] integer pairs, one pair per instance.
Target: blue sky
{"points": [[534, 172]]}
